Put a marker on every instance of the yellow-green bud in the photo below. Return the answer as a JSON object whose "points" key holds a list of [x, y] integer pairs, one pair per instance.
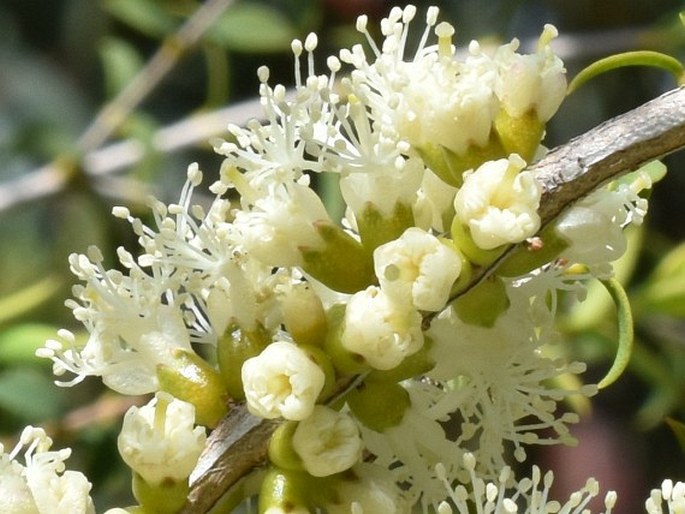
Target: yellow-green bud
{"points": [[483, 304], [303, 315], [193, 380], [379, 405], [376, 229], [234, 347], [342, 263], [344, 361], [535, 253], [166, 498], [463, 240], [521, 135], [281, 451], [285, 491]]}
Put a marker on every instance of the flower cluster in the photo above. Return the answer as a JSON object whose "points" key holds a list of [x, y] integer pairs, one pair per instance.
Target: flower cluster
{"points": [[366, 335]]}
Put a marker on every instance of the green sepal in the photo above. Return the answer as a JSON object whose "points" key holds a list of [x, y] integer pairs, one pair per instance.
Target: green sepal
{"points": [[168, 497], [234, 347], [342, 263], [375, 229], [379, 405], [450, 166], [520, 135], [526, 257], [344, 361], [282, 454], [625, 332], [193, 380], [322, 359], [461, 236], [413, 365], [484, 303]]}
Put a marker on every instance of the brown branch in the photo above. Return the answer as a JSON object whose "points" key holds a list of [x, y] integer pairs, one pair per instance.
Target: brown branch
{"points": [[567, 173]]}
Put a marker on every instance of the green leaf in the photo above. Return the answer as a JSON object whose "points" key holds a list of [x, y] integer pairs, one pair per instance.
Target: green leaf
{"points": [[121, 62], [27, 394], [147, 16], [664, 291], [625, 332], [18, 344], [250, 27]]}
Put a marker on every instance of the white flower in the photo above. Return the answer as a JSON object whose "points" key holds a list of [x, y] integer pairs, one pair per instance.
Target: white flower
{"points": [[328, 442], [417, 269], [501, 380], [42, 485], [382, 331], [278, 225], [158, 441], [282, 381], [434, 204], [527, 496], [531, 82], [672, 494], [499, 203], [593, 227]]}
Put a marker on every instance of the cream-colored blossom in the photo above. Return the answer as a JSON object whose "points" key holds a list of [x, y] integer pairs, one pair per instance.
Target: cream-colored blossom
{"points": [[41, 485], [381, 330], [328, 442], [417, 269], [159, 440], [498, 203], [282, 381]]}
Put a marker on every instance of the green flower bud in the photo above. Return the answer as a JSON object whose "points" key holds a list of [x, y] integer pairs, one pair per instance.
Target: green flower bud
{"points": [[193, 380], [342, 263], [375, 229], [344, 361], [303, 315], [281, 451], [521, 135], [165, 498], [379, 405], [285, 491], [234, 347], [527, 257], [483, 304]]}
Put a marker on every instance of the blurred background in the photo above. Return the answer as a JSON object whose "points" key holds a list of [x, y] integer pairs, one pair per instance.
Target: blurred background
{"points": [[61, 61]]}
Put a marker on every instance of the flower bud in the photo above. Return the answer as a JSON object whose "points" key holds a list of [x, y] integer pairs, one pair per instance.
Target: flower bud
{"points": [[159, 440], [303, 315], [328, 442], [282, 381], [383, 332], [341, 264], [190, 378], [484, 303], [234, 347], [379, 405], [417, 269]]}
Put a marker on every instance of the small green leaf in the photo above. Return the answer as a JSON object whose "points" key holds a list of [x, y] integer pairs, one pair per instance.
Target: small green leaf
{"points": [[121, 62], [625, 332], [18, 344], [147, 16], [250, 27]]}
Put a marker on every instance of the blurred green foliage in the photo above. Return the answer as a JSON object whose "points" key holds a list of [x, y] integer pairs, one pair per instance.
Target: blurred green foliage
{"points": [[61, 60]]}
